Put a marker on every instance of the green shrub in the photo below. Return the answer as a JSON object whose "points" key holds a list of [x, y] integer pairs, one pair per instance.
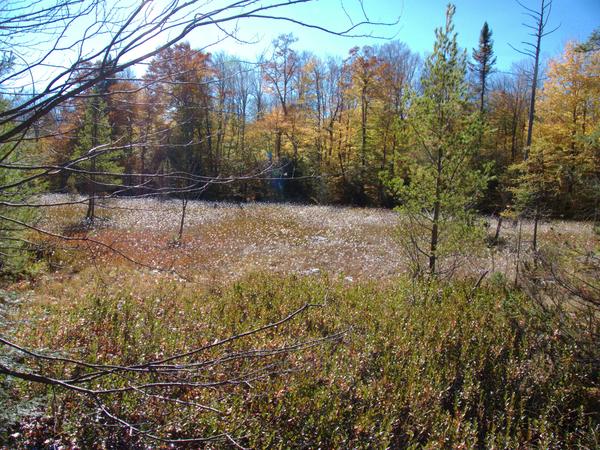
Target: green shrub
{"points": [[421, 366]]}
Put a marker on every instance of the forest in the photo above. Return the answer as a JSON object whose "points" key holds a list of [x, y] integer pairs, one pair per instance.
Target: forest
{"points": [[335, 131], [385, 249]]}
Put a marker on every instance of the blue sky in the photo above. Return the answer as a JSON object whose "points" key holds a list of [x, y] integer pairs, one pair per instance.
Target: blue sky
{"points": [[418, 19]]}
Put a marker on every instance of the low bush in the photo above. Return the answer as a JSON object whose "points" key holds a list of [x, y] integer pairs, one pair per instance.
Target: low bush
{"points": [[421, 365]]}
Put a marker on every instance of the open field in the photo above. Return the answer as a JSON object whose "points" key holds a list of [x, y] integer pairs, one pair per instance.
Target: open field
{"points": [[227, 241], [379, 361], [142, 308]]}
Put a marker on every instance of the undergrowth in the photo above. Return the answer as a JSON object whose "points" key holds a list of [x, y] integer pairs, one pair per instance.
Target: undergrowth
{"points": [[433, 366]]}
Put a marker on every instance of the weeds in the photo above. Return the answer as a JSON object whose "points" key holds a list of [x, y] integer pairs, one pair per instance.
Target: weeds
{"points": [[445, 368]]}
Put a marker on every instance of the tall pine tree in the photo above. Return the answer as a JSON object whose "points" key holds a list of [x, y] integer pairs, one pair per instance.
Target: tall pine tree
{"points": [[93, 154], [484, 62]]}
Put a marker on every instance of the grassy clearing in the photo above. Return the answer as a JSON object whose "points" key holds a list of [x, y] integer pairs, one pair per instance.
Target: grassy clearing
{"points": [[434, 366], [227, 241]]}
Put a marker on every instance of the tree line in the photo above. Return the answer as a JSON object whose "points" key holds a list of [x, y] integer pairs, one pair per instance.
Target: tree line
{"points": [[328, 130]]}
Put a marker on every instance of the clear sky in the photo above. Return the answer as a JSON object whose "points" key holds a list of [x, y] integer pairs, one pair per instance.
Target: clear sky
{"points": [[417, 21]]}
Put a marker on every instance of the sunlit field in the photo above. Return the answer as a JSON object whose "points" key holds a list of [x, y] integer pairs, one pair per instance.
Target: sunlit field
{"points": [[227, 241], [377, 360]]}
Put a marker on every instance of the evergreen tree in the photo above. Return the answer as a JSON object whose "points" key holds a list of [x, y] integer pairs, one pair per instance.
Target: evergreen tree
{"points": [[592, 44], [485, 60], [92, 153], [16, 257], [437, 198]]}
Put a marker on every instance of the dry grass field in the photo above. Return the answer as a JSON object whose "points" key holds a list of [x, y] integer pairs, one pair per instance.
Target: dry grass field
{"points": [[224, 241]]}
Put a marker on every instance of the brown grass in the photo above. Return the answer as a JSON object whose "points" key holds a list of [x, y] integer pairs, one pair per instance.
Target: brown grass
{"points": [[227, 241], [423, 365]]}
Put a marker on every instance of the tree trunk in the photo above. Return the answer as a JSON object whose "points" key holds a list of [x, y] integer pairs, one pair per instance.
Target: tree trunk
{"points": [[532, 99], [536, 220], [536, 66], [91, 211], [278, 134], [436, 217], [498, 228], [184, 203], [518, 253], [482, 98], [363, 144]]}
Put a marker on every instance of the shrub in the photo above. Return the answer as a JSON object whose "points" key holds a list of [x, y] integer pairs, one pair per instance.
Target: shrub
{"points": [[433, 365]]}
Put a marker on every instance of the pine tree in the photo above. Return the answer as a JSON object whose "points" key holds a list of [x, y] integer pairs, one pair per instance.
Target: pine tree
{"points": [[484, 56], [16, 257], [93, 153], [592, 44], [437, 198]]}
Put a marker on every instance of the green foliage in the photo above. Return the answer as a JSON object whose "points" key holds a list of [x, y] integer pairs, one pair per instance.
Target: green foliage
{"points": [[592, 44], [485, 60], [93, 147], [531, 188], [441, 187], [526, 190], [15, 250], [15, 408], [423, 365]]}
